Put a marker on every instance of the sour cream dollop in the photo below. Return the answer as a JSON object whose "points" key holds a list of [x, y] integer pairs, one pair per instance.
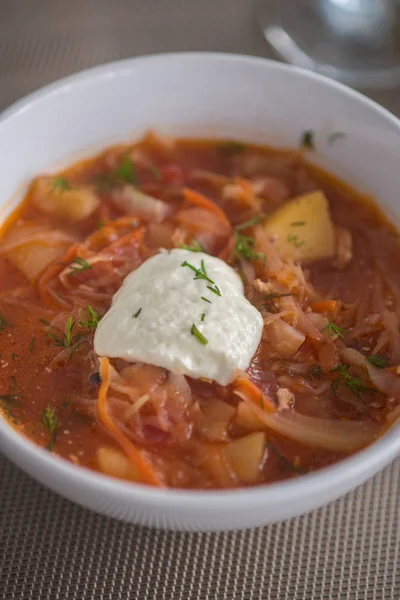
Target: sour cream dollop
{"points": [[166, 314]]}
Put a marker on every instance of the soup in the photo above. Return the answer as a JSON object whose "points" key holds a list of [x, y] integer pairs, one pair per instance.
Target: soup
{"points": [[199, 314]]}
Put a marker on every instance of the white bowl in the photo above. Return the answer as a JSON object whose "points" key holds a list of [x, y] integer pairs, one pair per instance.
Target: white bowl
{"points": [[205, 95]]}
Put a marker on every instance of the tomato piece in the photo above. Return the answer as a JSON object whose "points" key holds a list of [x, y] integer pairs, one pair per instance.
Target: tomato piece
{"points": [[173, 173]]}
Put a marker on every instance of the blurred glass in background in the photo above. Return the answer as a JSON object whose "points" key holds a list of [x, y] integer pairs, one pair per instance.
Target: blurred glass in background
{"points": [[354, 41]]}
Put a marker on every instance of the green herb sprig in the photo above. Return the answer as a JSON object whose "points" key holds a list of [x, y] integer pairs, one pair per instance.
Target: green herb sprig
{"points": [[78, 265], [194, 246], [93, 319], [378, 360], [202, 339], [60, 185], [50, 422], [356, 385], [334, 329]]}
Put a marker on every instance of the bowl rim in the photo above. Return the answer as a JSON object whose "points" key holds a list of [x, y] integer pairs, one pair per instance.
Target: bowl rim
{"points": [[367, 461]]}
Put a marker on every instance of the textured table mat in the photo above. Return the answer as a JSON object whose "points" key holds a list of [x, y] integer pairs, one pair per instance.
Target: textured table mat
{"points": [[53, 549]]}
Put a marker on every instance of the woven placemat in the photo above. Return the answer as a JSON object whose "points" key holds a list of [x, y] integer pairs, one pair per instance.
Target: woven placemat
{"points": [[51, 548]]}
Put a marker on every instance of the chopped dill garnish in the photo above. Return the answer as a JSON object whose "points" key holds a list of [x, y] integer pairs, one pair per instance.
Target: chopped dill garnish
{"points": [[81, 265], [202, 316], [297, 223], [92, 321], [194, 331], [100, 224], [334, 329], [336, 135], [45, 322], [200, 273], [155, 172], [67, 339], [137, 313], [14, 382], [5, 401], [10, 397], [214, 289], [127, 171], [244, 248], [61, 185], [4, 323], [315, 372], [356, 385], [194, 246], [15, 356], [288, 465], [49, 422], [294, 239], [307, 140], [31, 345], [229, 147], [269, 300], [250, 223], [378, 360], [206, 299]]}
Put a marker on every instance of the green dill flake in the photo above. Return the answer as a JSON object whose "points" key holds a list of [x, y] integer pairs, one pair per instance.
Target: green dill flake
{"points": [[100, 224], [200, 273], [294, 239], [206, 300], [215, 290], [92, 321], [336, 135], [127, 171], [4, 323], [14, 382], [78, 265], [194, 246], [307, 140], [31, 345], [194, 331], [229, 147], [297, 223], [334, 329], [45, 322], [378, 360], [60, 185], [49, 422], [287, 464], [250, 223], [356, 385], [203, 316], [269, 300], [137, 313], [15, 356], [67, 339]]}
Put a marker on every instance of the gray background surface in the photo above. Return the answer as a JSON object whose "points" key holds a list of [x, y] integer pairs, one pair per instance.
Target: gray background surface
{"points": [[53, 549]]}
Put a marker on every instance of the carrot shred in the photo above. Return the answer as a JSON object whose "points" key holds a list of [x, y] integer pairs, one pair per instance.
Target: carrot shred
{"points": [[253, 394], [322, 306], [46, 294], [132, 236], [203, 202], [246, 188], [133, 454]]}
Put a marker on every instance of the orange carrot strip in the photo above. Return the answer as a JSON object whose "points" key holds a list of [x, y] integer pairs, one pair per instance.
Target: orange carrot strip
{"points": [[322, 306], [246, 187], [130, 449], [136, 235], [200, 200], [50, 273], [253, 394]]}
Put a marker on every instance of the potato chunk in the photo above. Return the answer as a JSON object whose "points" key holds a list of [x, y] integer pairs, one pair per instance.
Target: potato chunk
{"points": [[33, 258], [115, 463], [245, 456], [75, 204], [303, 228]]}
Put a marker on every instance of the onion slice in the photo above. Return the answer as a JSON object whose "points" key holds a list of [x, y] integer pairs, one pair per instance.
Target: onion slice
{"points": [[383, 380]]}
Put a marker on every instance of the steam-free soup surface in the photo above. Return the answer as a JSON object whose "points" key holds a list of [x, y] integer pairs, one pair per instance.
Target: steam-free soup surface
{"points": [[318, 262]]}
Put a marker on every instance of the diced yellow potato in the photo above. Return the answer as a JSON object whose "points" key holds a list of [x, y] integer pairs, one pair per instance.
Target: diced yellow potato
{"points": [[114, 463], [245, 456], [75, 204], [303, 228], [247, 419], [33, 257]]}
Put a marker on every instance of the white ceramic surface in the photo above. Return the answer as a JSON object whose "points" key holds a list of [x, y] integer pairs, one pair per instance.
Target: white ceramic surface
{"points": [[208, 95]]}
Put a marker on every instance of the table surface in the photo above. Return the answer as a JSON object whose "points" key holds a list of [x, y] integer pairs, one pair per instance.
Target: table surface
{"points": [[51, 548]]}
